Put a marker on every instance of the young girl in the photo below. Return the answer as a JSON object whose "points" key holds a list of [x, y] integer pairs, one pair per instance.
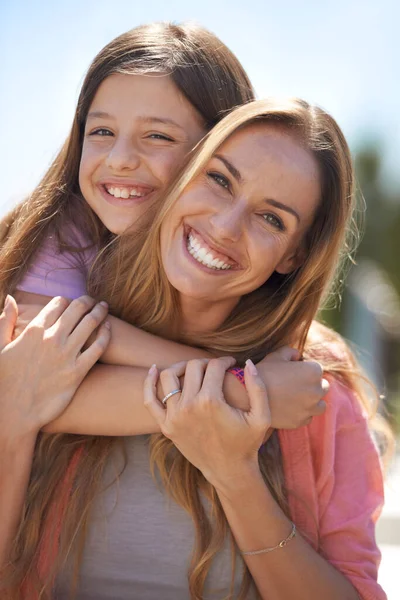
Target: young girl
{"points": [[269, 194]]}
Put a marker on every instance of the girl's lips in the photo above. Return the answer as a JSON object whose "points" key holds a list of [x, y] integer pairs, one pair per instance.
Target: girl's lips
{"points": [[124, 202]]}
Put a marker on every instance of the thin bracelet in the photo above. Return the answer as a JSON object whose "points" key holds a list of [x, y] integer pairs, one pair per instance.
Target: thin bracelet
{"points": [[281, 544]]}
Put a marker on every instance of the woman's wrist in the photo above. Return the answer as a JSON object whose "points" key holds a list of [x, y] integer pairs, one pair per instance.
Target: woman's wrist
{"points": [[234, 483]]}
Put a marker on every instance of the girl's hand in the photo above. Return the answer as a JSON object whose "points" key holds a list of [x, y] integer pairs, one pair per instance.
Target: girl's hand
{"points": [[26, 314], [221, 441], [41, 369], [295, 388]]}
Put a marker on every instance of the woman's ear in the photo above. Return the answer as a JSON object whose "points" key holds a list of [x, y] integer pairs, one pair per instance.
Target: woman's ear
{"points": [[291, 262]]}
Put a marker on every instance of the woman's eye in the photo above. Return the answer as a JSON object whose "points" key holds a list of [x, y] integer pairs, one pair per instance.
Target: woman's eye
{"points": [[160, 136], [220, 179], [101, 131], [274, 221]]}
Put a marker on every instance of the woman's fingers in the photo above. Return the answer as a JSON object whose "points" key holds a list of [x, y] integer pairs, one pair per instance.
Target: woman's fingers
{"points": [[214, 376], [259, 406], [8, 319], [91, 355], [83, 327], [150, 396], [194, 375]]}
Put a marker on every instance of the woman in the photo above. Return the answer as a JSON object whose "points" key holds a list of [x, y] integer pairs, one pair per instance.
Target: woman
{"points": [[268, 195]]}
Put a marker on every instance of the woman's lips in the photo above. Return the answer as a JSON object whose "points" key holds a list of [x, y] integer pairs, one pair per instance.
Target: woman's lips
{"points": [[204, 256]]}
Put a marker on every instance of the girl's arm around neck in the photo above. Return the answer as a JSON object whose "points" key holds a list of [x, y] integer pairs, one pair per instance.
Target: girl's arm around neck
{"points": [[130, 346], [133, 347]]}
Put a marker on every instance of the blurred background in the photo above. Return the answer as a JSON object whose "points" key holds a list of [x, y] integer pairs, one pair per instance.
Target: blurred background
{"points": [[342, 55]]}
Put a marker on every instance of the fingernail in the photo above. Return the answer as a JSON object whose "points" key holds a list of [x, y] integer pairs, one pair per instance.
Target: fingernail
{"points": [[7, 300], [152, 369], [107, 324], [103, 303], [251, 367]]}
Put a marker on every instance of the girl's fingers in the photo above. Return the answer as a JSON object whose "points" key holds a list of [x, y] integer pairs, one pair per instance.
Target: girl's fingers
{"points": [[91, 355], [150, 396], [50, 313], [259, 406], [73, 314], [215, 374], [8, 320], [85, 327]]}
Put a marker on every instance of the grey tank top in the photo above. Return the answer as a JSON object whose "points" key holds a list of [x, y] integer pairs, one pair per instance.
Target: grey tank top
{"points": [[140, 541]]}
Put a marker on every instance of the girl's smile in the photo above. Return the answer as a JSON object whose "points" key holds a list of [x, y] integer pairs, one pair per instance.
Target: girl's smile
{"points": [[138, 130]]}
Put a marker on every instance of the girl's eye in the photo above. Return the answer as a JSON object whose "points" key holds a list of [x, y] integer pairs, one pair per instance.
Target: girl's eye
{"points": [[160, 136], [101, 131], [219, 179], [274, 221]]}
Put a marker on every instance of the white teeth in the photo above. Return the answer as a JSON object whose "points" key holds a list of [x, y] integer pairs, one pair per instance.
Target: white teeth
{"points": [[124, 192], [204, 256]]}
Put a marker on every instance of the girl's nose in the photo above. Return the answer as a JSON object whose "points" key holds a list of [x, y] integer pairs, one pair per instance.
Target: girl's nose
{"points": [[123, 156]]}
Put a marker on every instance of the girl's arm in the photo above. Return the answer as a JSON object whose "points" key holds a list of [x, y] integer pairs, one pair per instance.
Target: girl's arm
{"points": [[50, 358], [109, 402], [129, 346]]}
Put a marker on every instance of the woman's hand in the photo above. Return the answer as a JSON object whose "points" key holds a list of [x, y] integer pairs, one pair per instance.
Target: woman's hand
{"points": [[42, 368], [221, 441], [295, 388]]}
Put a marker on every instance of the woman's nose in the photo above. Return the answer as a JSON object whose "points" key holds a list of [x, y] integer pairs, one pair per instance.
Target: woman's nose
{"points": [[123, 156], [228, 224]]}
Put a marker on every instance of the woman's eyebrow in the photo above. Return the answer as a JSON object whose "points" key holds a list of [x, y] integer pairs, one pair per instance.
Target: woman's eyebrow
{"points": [[285, 207], [232, 170]]}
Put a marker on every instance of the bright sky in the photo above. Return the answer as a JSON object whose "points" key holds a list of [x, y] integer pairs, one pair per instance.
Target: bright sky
{"points": [[343, 55]]}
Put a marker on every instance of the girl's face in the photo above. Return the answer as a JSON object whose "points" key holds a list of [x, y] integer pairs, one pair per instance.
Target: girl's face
{"points": [[243, 217], [138, 130]]}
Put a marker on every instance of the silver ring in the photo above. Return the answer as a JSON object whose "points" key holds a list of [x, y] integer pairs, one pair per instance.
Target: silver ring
{"points": [[164, 400]]}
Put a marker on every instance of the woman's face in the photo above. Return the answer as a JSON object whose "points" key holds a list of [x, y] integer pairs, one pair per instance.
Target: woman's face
{"points": [[243, 217], [138, 130]]}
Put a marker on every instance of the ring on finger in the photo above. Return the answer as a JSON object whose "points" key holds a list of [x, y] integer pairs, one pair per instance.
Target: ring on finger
{"points": [[164, 400]]}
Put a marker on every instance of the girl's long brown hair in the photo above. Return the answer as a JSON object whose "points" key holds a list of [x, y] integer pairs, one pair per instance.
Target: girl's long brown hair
{"points": [[209, 75]]}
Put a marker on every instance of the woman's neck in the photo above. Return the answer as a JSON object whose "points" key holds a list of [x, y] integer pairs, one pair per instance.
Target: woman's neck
{"points": [[200, 316]]}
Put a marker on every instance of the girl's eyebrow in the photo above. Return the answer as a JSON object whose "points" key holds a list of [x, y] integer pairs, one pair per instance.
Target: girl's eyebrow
{"points": [[98, 114]]}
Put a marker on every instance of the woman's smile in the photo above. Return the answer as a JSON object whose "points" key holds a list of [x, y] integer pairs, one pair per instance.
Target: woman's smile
{"points": [[243, 217], [206, 254]]}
